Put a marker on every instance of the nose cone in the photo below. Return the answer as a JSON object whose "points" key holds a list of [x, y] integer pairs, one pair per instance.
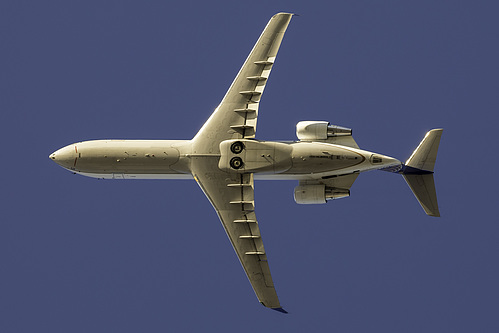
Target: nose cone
{"points": [[65, 157]]}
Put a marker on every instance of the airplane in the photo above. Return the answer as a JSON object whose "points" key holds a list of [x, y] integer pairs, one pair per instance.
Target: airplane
{"points": [[225, 158]]}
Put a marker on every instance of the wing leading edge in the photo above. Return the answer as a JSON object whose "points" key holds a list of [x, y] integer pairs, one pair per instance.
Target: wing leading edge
{"points": [[232, 196], [231, 193], [237, 114]]}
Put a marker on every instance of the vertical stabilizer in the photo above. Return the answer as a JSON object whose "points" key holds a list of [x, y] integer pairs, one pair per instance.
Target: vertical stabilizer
{"points": [[418, 172]]}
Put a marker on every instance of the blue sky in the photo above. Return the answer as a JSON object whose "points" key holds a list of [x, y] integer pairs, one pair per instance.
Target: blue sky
{"points": [[80, 255]]}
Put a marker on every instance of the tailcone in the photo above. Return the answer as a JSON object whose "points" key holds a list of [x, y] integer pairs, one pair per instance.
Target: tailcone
{"points": [[387, 163], [408, 170]]}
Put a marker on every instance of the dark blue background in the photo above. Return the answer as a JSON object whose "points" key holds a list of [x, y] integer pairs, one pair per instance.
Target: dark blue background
{"points": [[85, 255]]}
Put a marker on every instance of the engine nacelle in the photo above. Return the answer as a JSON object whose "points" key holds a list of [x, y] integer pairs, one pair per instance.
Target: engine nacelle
{"points": [[319, 130], [318, 194]]}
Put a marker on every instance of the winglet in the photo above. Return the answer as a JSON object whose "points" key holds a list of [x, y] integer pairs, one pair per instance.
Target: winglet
{"points": [[280, 310]]}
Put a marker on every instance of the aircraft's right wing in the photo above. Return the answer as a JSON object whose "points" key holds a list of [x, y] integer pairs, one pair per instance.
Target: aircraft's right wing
{"points": [[232, 196], [236, 116]]}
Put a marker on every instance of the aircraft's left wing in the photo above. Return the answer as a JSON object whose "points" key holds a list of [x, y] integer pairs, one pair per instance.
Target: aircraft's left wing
{"points": [[236, 116], [232, 197]]}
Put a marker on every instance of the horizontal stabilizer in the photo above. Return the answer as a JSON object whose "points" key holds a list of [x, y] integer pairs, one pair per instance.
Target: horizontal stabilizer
{"points": [[418, 172], [423, 158], [423, 188]]}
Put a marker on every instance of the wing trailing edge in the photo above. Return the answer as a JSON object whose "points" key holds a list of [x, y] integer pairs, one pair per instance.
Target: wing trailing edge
{"points": [[236, 116]]}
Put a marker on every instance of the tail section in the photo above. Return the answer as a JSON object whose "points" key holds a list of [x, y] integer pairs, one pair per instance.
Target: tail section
{"points": [[418, 172], [423, 188], [423, 158]]}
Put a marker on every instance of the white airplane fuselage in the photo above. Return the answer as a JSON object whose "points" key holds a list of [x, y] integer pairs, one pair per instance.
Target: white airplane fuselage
{"points": [[170, 159], [224, 158]]}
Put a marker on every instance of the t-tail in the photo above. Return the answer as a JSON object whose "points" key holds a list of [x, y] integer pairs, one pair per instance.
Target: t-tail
{"points": [[418, 172]]}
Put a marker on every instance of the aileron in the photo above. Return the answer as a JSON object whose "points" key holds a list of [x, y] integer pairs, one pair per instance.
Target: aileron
{"points": [[235, 208], [245, 91]]}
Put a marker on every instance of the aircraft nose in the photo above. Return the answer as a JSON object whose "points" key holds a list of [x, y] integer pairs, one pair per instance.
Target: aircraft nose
{"points": [[65, 157]]}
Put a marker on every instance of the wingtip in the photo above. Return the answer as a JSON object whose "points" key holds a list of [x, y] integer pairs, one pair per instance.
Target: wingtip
{"points": [[286, 13], [281, 310]]}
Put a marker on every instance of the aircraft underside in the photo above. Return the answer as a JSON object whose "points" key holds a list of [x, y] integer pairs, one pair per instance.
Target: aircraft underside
{"points": [[225, 158], [163, 159]]}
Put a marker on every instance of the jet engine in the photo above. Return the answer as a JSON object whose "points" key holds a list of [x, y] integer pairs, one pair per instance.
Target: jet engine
{"points": [[319, 130], [318, 194]]}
